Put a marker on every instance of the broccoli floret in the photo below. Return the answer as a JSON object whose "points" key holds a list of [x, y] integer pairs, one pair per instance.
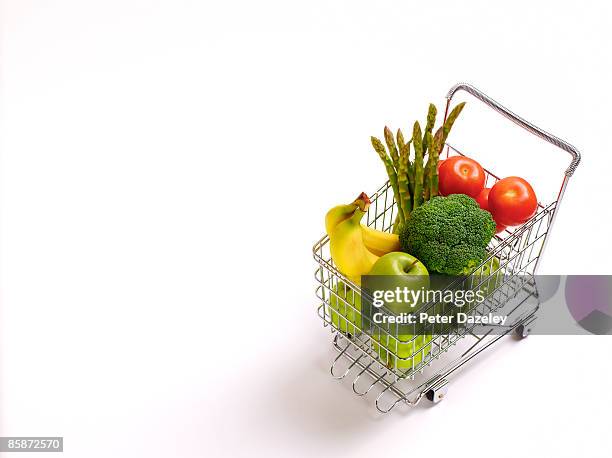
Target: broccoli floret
{"points": [[448, 234]]}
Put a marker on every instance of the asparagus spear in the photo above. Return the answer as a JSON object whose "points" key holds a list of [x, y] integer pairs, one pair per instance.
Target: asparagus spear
{"points": [[382, 153], [410, 168], [402, 177], [428, 167], [435, 155], [438, 142], [450, 120], [401, 143], [431, 121], [417, 143], [392, 148]]}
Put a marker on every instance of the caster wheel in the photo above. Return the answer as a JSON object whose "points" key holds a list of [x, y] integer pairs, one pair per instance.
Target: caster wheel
{"points": [[522, 331], [438, 393]]}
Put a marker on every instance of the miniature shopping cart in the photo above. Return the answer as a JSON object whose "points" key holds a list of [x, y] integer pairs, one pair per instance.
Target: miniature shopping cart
{"points": [[426, 363]]}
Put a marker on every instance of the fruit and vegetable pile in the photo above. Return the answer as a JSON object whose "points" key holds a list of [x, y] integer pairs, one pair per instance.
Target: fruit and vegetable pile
{"points": [[445, 217]]}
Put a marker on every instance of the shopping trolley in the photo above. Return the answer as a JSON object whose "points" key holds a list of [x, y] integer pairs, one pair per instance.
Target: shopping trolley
{"points": [[426, 363]]}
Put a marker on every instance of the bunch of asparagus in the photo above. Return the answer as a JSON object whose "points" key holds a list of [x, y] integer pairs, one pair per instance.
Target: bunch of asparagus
{"points": [[413, 180]]}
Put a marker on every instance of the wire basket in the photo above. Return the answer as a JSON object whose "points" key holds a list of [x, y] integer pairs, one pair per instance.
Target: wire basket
{"points": [[406, 368]]}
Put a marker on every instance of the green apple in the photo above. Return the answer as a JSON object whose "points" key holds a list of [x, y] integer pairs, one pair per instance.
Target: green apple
{"points": [[401, 270], [397, 347], [489, 277], [398, 263], [345, 308], [403, 352], [483, 282], [475, 289]]}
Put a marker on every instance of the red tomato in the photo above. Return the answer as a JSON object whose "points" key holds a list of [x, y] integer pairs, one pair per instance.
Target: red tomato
{"points": [[461, 175], [499, 228], [512, 201], [483, 200]]}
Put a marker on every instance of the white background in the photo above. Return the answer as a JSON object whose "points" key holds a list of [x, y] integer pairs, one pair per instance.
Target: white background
{"points": [[168, 163]]}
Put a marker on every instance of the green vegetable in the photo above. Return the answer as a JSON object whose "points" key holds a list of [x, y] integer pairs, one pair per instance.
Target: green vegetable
{"points": [[450, 120], [414, 182], [382, 153], [400, 140], [417, 143], [435, 148], [428, 167], [401, 144], [410, 169], [390, 141], [402, 178], [448, 234], [431, 121], [435, 156]]}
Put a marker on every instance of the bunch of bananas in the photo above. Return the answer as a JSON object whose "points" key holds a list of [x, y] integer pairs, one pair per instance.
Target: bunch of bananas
{"points": [[355, 247]]}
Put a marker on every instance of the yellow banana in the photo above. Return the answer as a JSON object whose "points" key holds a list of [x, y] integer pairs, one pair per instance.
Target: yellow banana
{"points": [[347, 246], [338, 214], [379, 242]]}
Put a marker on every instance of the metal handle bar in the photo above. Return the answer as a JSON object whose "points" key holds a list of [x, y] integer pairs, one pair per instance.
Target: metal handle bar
{"points": [[562, 144]]}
